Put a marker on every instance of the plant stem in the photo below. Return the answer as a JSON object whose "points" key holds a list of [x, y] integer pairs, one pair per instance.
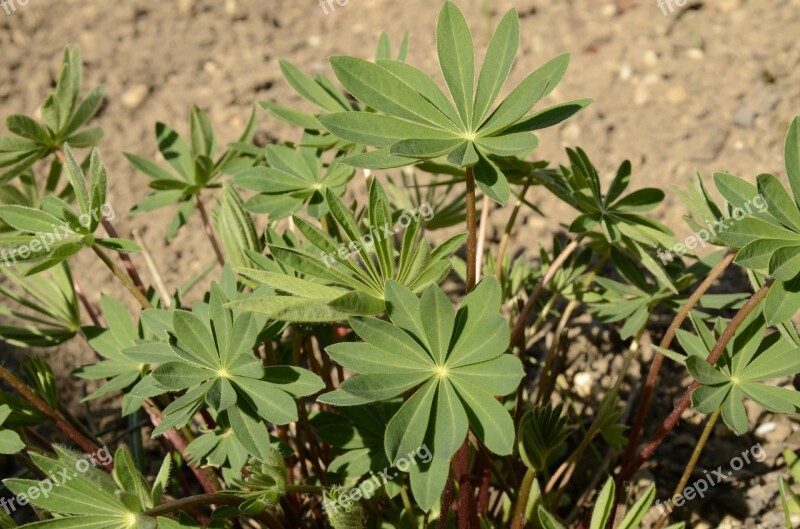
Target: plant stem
{"points": [[501, 250], [687, 472], [472, 232], [125, 258], [519, 326], [407, 506], [124, 279], [86, 304], [467, 515], [544, 380], [605, 407], [183, 504], [666, 341], [685, 400], [519, 519], [151, 265], [20, 387], [209, 231], [480, 251], [207, 481]]}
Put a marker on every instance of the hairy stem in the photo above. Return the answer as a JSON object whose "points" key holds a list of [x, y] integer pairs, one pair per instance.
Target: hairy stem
{"points": [[209, 231], [666, 341], [687, 472], [123, 277], [70, 431]]}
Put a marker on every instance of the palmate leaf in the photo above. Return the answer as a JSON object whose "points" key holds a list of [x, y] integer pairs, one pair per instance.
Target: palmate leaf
{"points": [[419, 122], [92, 498], [294, 177], [210, 357], [48, 236], [64, 114], [457, 362], [748, 362], [193, 166]]}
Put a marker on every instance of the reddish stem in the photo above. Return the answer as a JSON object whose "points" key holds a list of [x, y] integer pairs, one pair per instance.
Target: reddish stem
{"points": [[666, 341]]}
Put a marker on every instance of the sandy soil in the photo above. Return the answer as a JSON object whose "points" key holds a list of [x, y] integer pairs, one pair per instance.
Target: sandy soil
{"points": [[711, 86]]}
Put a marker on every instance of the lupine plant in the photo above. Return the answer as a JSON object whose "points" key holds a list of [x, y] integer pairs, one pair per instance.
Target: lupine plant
{"points": [[359, 353]]}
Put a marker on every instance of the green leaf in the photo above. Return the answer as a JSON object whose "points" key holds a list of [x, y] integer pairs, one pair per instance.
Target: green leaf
{"points": [[488, 418], [379, 130], [28, 219], [451, 421], [438, 322], [636, 514], [782, 302], [99, 180], [308, 89], [203, 141], [375, 86], [532, 89], [550, 116], [179, 375], [496, 65], [705, 373], [792, 158], [77, 180], [509, 144], [784, 264], [86, 110], [491, 180], [382, 387], [174, 150], [407, 428], [425, 86], [457, 58], [27, 128], [547, 520], [195, 337], [603, 505], [423, 149], [271, 403], [779, 201]]}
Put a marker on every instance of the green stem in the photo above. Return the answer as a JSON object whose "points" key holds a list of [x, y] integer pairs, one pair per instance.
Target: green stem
{"points": [[687, 472], [407, 506], [519, 519], [123, 277]]}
